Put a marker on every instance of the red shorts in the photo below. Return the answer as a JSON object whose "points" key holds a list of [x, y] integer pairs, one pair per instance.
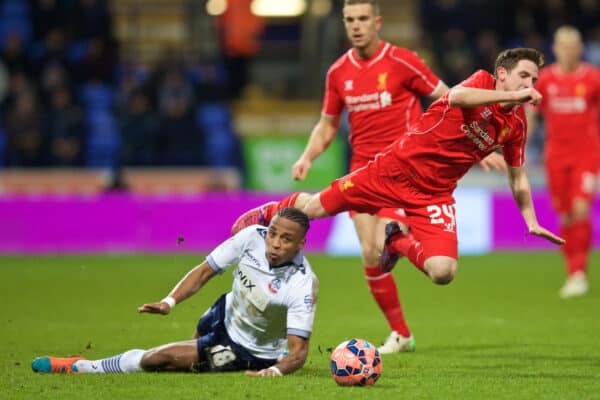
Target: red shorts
{"points": [[397, 214], [431, 217], [566, 183]]}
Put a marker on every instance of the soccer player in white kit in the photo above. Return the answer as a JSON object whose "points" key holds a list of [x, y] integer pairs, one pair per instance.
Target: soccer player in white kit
{"points": [[271, 306]]}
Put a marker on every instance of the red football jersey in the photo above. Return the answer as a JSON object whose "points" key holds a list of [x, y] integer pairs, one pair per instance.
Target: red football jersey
{"points": [[571, 109], [446, 141], [381, 95]]}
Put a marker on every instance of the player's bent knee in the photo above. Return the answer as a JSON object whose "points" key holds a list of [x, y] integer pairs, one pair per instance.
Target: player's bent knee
{"points": [[370, 253], [441, 270]]}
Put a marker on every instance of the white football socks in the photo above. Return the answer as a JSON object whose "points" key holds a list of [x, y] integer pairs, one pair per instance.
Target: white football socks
{"points": [[121, 363]]}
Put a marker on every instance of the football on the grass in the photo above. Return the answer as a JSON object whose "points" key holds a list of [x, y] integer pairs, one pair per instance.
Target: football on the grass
{"points": [[356, 362]]}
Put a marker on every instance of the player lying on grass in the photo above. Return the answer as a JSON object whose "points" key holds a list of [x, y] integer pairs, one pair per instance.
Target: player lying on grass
{"points": [[420, 170], [271, 305]]}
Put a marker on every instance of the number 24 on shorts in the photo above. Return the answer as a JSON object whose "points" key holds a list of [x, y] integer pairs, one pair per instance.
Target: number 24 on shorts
{"points": [[446, 214]]}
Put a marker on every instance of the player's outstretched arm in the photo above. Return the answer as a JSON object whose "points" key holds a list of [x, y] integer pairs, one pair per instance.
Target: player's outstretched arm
{"points": [[320, 138], [187, 286], [519, 184], [461, 96], [298, 347]]}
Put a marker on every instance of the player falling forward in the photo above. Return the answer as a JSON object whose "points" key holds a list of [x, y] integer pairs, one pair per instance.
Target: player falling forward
{"points": [[380, 86], [571, 110], [274, 291], [420, 171]]}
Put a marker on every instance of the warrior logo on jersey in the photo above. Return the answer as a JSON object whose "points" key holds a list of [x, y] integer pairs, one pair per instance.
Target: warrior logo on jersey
{"points": [[348, 85], [274, 285], [503, 133]]}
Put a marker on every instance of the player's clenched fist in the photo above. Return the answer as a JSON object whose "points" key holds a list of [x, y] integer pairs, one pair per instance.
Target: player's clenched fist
{"points": [[528, 95], [300, 169]]}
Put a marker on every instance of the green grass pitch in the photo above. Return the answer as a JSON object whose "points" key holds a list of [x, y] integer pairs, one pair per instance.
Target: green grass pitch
{"points": [[499, 331]]}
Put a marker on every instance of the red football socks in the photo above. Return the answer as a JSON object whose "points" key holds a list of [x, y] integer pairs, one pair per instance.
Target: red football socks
{"points": [[577, 248], [411, 248], [384, 291]]}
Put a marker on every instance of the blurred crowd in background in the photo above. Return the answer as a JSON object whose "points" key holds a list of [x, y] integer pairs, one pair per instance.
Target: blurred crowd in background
{"points": [[70, 95]]}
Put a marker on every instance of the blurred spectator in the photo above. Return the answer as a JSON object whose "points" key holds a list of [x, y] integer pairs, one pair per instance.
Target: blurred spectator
{"points": [[51, 51], [180, 138], [139, 130], [99, 61], [18, 83], [52, 77], [130, 75], [13, 54], [46, 15], [240, 32], [22, 123], [486, 49], [63, 130], [457, 57]]}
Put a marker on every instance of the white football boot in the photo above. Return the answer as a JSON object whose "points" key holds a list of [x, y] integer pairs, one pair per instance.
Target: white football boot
{"points": [[576, 285], [396, 343]]}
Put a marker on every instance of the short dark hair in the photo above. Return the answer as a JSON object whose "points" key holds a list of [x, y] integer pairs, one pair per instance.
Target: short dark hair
{"points": [[294, 214], [509, 59], [373, 4]]}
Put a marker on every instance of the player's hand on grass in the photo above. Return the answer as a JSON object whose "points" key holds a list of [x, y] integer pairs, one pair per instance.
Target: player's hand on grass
{"points": [[546, 234], [155, 308], [493, 161], [300, 169], [264, 372]]}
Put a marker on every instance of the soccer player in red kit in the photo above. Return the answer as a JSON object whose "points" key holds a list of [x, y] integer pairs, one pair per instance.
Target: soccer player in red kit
{"points": [[420, 170], [379, 85], [571, 110]]}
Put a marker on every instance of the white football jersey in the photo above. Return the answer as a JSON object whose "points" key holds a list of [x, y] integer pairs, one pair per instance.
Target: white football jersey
{"points": [[265, 304]]}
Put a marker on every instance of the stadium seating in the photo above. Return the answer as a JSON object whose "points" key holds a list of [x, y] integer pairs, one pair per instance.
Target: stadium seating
{"points": [[103, 140], [215, 121], [14, 18]]}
